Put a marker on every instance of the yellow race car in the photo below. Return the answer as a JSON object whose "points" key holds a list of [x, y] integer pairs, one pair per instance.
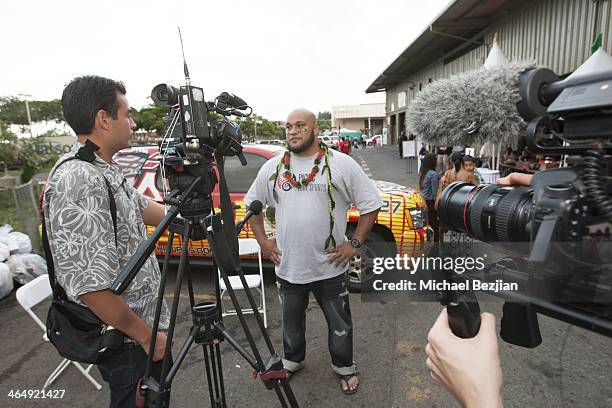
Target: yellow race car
{"points": [[401, 226]]}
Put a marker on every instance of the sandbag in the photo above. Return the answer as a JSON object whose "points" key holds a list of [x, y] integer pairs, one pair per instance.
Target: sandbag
{"points": [[24, 243], [10, 244], [5, 252], [25, 267], [6, 280]]}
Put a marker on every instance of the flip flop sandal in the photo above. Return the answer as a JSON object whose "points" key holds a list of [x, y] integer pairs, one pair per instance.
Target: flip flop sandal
{"points": [[345, 378], [289, 373]]}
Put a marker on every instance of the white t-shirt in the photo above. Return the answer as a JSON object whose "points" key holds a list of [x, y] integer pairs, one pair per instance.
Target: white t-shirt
{"points": [[302, 216]]}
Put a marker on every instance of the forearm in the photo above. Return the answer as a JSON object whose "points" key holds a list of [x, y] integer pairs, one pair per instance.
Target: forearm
{"points": [[113, 310], [154, 213], [364, 225], [257, 226]]}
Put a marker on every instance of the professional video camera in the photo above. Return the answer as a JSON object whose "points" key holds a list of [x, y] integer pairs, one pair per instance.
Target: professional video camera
{"points": [[193, 142], [557, 230], [191, 136]]}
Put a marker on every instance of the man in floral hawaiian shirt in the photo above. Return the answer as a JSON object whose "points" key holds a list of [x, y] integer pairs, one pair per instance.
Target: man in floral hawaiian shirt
{"points": [[86, 255]]}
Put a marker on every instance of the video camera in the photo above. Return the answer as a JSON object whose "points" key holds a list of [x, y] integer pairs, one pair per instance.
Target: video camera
{"points": [[558, 229], [192, 137]]}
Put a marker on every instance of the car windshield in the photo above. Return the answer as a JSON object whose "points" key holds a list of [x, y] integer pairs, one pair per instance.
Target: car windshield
{"points": [[239, 178]]}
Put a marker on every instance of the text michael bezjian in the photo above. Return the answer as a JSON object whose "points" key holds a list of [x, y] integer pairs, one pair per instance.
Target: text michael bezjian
{"points": [[444, 285]]}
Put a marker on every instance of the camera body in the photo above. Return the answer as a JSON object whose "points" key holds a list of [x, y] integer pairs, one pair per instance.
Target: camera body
{"points": [[555, 232]]}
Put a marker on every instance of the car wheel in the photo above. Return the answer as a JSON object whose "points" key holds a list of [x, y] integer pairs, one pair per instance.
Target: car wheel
{"points": [[360, 267]]}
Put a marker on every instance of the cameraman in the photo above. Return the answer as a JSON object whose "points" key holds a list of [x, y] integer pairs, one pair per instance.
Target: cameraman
{"points": [[470, 369], [87, 254]]}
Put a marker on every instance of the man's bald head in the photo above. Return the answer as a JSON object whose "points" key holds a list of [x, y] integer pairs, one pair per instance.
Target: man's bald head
{"points": [[302, 114]]}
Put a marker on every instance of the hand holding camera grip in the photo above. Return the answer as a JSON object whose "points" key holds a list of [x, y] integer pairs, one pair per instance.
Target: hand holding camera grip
{"points": [[464, 318]]}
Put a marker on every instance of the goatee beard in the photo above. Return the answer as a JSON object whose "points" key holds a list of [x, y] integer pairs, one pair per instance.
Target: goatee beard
{"points": [[304, 146]]}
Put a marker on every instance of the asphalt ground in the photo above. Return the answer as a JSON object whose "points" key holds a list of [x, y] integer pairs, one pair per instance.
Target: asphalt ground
{"points": [[570, 369]]}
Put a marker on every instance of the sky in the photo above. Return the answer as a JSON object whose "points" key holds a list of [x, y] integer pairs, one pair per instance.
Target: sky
{"points": [[277, 55]]}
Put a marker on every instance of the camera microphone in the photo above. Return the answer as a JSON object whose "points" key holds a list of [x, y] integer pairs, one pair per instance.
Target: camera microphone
{"points": [[232, 100], [470, 108], [254, 209]]}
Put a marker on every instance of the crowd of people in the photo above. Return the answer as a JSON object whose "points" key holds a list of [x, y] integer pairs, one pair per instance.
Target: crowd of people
{"points": [[432, 181]]}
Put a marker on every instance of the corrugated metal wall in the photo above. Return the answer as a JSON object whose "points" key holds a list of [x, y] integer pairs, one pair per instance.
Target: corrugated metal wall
{"points": [[555, 33]]}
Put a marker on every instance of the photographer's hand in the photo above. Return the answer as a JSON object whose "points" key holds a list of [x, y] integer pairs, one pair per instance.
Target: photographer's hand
{"points": [[516, 179], [469, 368]]}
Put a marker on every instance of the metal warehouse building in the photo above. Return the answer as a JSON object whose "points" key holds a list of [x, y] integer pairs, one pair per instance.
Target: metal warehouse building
{"points": [[558, 34]]}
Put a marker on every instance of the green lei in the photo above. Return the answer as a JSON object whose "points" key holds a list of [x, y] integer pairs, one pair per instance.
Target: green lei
{"points": [[330, 242]]}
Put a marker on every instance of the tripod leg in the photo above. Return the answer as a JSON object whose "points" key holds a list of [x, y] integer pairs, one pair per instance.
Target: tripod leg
{"points": [[220, 366], [175, 301], [208, 376], [160, 300]]}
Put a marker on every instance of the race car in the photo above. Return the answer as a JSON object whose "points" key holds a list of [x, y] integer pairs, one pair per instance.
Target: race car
{"points": [[401, 225]]}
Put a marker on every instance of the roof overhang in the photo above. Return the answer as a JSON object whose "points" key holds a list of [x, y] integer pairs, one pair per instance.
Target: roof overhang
{"points": [[457, 30]]}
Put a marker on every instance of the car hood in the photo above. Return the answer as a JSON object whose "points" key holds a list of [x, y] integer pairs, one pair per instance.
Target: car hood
{"points": [[388, 187]]}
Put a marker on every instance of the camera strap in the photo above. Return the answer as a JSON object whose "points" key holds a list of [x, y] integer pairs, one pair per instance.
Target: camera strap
{"points": [[227, 214], [85, 154]]}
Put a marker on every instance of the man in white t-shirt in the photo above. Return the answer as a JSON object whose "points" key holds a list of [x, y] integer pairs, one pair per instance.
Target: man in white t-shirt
{"points": [[311, 189]]}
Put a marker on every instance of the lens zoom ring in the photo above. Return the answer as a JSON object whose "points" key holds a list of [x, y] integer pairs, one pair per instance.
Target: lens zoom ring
{"points": [[479, 200], [506, 206]]}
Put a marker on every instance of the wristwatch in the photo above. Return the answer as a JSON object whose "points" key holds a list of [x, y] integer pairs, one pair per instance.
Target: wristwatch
{"points": [[355, 243]]}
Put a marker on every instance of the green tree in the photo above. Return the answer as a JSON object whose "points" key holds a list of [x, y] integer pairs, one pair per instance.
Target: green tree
{"points": [[324, 115], [8, 144], [36, 154], [150, 118], [324, 124], [13, 111]]}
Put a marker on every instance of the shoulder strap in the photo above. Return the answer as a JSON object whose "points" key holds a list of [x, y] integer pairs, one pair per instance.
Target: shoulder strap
{"points": [[58, 291]]}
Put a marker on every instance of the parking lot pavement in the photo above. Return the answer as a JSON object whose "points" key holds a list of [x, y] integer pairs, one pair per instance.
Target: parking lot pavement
{"points": [[571, 368]]}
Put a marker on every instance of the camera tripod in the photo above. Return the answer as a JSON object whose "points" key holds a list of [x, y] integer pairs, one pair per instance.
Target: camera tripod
{"points": [[207, 330]]}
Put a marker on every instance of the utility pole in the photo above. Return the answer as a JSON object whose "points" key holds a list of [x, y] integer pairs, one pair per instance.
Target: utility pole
{"points": [[25, 96]]}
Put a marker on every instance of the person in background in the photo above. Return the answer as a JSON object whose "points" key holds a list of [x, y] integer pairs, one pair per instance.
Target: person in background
{"points": [[508, 154], [422, 151], [345, 146], [400, 144], [466, 171], [428, 184]]}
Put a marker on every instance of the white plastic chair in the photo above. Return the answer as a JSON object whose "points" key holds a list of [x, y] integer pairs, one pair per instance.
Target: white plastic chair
{"points": [[28, 296], [254, 281]]}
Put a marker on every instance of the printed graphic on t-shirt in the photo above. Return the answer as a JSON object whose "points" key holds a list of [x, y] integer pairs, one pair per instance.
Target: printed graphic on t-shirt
{"points": [[285, 185]]}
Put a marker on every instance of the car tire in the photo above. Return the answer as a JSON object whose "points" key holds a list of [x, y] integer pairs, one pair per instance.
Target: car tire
{"points": [[360, 267]]}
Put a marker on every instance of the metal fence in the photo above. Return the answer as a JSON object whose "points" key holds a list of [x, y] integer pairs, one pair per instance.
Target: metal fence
{"points": [[19, 208]]}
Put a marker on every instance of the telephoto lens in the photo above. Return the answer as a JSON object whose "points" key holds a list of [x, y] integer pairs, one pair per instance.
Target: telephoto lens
{"points": [[487, 212]]}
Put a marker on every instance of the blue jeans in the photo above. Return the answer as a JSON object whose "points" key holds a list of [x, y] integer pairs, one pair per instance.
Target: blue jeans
{"points": [[122, 373], [333, 297]]}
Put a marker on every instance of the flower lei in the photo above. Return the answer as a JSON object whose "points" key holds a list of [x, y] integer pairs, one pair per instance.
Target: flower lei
{"points": [[330, 242]]}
